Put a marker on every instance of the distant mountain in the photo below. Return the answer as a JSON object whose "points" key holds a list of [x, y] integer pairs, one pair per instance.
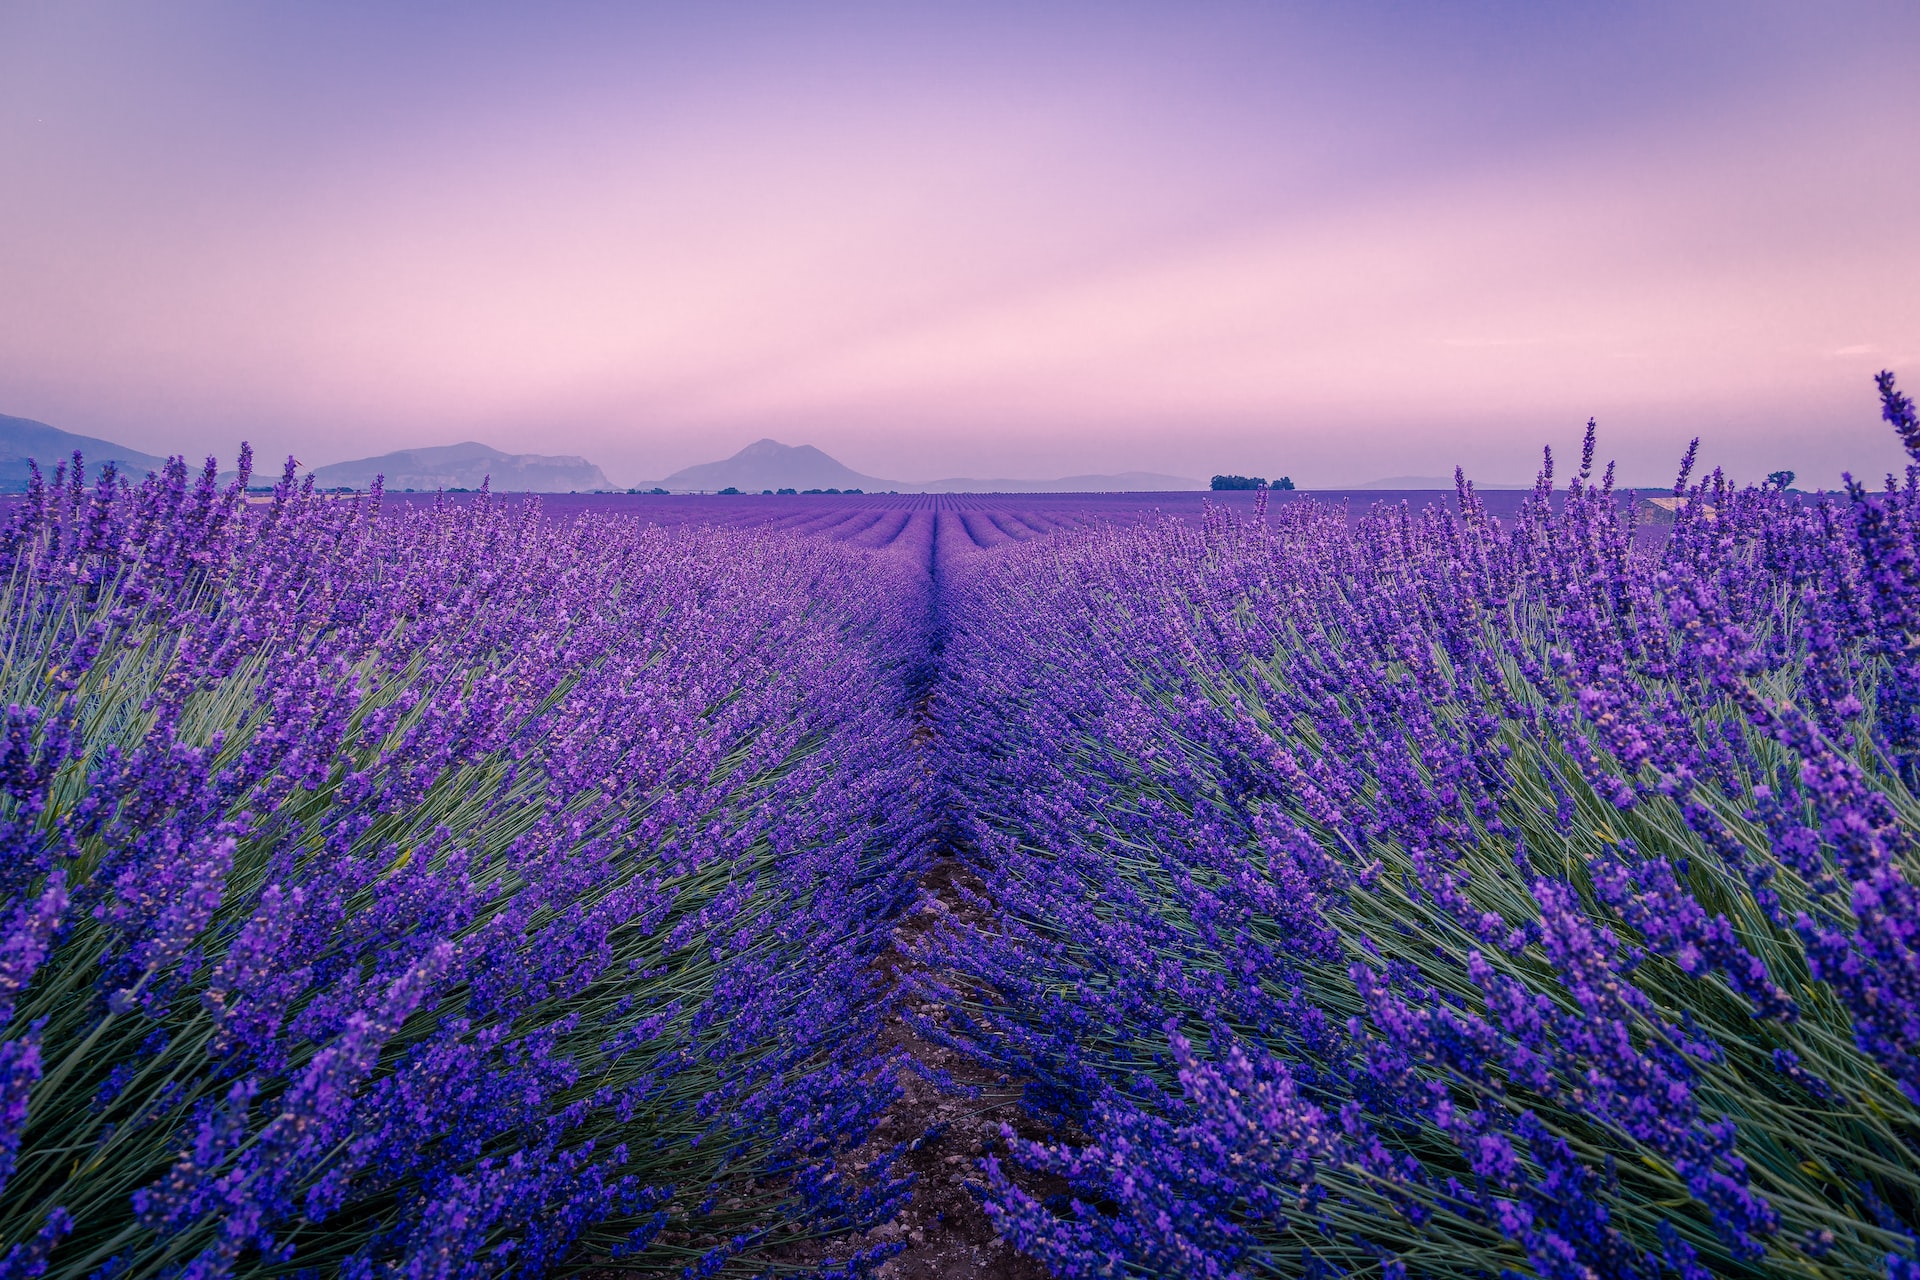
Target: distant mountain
{"points": [[465, 466], [768, 464], [23, 438]]}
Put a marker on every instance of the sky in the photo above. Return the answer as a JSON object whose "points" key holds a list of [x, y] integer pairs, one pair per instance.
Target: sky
{"points": [[1334, 241]]}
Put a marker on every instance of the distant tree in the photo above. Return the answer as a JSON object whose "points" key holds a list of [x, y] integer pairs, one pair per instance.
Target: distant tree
{"points": [[658, 490], [1238, 482], [830, 491], [1284, 482], [789, 491], [813, 491], [729, 490], [854, 491], [1779, 479], [766, 493]]}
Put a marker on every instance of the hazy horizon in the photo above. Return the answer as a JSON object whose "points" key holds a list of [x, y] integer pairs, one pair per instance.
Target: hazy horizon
{"points": [[1002, 241]]}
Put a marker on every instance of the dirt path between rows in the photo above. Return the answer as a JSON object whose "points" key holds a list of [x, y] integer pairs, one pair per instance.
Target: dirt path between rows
{"points": [[946, 1231]]}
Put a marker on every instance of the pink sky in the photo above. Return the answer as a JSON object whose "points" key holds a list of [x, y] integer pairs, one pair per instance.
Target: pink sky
{"points": [[1339, 244]]}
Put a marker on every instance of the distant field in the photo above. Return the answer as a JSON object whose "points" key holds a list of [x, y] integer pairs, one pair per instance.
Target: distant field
{"points": [[984, 520]]}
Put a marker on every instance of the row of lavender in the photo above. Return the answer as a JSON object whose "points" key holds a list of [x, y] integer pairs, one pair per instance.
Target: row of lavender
{"points": [[457, 892], [984, 521], [1440, 895]]}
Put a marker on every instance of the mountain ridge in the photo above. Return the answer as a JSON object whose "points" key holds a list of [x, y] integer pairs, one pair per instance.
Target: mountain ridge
{"points": [[465, 466], [22, 439], [456, 466], [769, 464], [764, 464]]}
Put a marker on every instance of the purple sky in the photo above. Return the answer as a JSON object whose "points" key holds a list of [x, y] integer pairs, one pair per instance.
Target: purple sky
{"points": [[1340, 241]]}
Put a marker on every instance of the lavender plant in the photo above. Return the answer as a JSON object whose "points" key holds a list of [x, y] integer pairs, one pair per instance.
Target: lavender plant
{"points": [[452, 893], [1427, 894]]}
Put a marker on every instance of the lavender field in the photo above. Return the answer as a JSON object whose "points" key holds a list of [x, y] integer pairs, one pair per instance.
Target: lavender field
{"points": [[1311, 885]]}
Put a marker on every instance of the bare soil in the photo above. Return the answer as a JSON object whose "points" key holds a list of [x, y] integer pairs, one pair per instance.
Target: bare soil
{"points": [[947, 1233]]}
